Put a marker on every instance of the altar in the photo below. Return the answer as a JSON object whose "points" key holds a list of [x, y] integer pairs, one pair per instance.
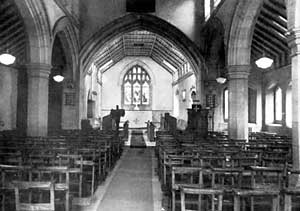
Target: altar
{"points": [[137, 119]]}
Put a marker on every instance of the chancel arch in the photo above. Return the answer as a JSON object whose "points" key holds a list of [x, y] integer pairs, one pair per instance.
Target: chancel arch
{"points": [[117, 46]]}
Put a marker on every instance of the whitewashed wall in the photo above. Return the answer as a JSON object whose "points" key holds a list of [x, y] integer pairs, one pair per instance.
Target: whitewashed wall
{"points": [[161, 90], [181, 105]]}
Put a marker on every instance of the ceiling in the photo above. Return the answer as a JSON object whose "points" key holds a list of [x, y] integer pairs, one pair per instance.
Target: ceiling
{"points": [[270, 31], [12, 31], [141, 43], [269, 38]]}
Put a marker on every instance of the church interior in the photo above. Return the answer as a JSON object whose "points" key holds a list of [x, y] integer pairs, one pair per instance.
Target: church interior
{"points": [[161, 105]]}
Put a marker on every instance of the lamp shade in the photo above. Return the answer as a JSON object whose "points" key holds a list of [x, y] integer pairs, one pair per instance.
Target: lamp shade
{"points": [[264, 62], [7, 58], [221, 80], [58, 78]]}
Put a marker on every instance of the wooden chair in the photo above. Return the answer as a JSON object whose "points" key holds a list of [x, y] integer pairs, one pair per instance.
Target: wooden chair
{"points": [[75, 167], [61, 176], [34, 186], [202, 191], [265, 182], [9, 173], [291, 191], [189, 177]]}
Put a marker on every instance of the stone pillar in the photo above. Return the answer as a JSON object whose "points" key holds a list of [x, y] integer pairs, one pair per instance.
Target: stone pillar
{"points": [[294, 43], [200, 95], [38, 79], [238, 101]]}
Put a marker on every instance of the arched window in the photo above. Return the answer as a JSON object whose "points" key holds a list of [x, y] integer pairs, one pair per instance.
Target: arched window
{"points": [[288, 106], [137, 89], [225, 104], [277, 105]]}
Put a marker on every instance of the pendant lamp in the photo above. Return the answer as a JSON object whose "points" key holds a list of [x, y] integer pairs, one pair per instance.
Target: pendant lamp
{"points": [[7, 59]]}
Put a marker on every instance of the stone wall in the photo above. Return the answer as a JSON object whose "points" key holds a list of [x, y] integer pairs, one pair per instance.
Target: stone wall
{"points": [[8, 98], [186, 15]]}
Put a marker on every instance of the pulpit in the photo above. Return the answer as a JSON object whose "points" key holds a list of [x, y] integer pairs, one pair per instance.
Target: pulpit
{"points": [[116, 115], [170, 123], [197, 120], [112, 121]]}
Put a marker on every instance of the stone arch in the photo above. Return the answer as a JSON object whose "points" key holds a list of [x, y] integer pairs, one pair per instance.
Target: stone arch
{"points": [[214, 46], [214, 36], [38, 29], [241, 31], [131, 64], [64, 29], [148, 22]]}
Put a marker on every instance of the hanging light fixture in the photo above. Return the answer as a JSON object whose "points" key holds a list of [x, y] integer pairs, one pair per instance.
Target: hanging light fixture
{"points": [[220, 78], [264, 62], [58, 77], [7, 59]]}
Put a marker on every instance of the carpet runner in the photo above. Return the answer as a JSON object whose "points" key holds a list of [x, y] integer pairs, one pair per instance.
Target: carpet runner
{"points": [[137, 139], [131, 187]]}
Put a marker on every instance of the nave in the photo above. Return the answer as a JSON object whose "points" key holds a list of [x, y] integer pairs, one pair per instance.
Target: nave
{"points": [[217, 80], [100, 170]]}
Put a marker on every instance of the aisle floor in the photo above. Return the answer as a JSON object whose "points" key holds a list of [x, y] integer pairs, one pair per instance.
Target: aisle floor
{"points": [[131, 186]]}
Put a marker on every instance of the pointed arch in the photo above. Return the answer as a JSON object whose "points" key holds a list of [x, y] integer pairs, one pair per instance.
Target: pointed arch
{"points": [[38, 29], [241, 30], [148, 22], [64, 29]]}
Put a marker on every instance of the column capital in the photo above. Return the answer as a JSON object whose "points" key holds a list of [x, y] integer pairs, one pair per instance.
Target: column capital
{"points": [[38, 70], [239, 71], [293, 38]]}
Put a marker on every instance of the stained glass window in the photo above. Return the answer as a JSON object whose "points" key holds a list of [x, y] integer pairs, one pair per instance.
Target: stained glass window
{"points": [[137, 87]]}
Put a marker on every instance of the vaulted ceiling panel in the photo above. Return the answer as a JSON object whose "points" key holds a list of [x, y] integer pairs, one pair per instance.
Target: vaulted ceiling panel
{"points": [[140, 43]]}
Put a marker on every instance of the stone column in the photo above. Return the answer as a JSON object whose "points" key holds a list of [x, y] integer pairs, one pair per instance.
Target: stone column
{"points": [[38, 79], [294, 43], [238, 101]]}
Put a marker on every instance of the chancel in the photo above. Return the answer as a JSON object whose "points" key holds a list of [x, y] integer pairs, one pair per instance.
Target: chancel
{"points": [[207, 115]]}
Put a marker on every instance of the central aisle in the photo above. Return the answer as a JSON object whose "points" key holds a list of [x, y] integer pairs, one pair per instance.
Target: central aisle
{"points": [[131, 186]]}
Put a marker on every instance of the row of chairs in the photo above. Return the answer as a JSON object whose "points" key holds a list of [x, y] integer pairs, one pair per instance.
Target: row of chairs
{"points": [[69, 165], [220, 174]]}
